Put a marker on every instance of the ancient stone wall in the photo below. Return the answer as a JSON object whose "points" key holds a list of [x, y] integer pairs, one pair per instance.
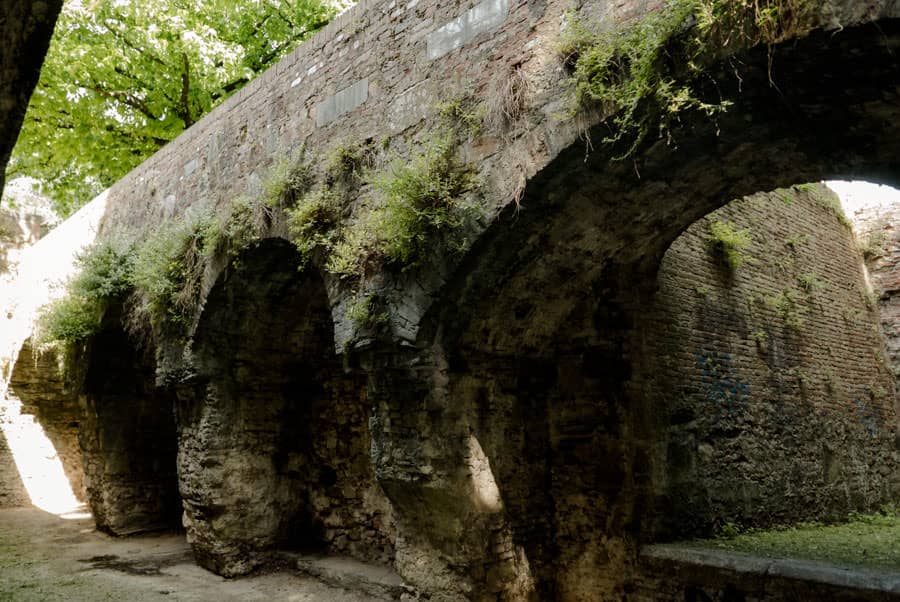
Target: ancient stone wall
{"points": [[378, 74], [274, 436], [769, 381], [53, 400], [12, 489], [551, 432], [879, 238]]}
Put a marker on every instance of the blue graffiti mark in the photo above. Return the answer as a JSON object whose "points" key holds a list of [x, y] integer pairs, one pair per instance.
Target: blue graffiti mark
{"points": [[720, 382], [866, 418]]}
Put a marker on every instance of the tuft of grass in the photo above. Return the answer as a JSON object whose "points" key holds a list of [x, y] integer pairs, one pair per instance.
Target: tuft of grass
{"points": [[826, 198], [346, 165], [810, 282], [287, 180], [788, 305], [507, 97], [421, 207], [313, 223], [865, 540], [728, 243], [240, 228], [169, 268], [796, 241], [423, 201], [873, 244], [356, 253], [462, 115]]}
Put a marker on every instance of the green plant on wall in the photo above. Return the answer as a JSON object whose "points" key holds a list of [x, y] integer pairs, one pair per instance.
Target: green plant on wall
{"points": [[104, 274], [417, 205], [462, 115], [788, 304], [162, 275], [346, 166], [810, 282], [796, 241], [873, 244], [648, 75], [315, 221], [367, 312], [827, 199], [728, 243], [288, 179], [423, 200], [168, 270]]}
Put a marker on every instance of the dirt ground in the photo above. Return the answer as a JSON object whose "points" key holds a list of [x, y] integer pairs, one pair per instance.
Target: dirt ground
{"points": [[46, 558]]}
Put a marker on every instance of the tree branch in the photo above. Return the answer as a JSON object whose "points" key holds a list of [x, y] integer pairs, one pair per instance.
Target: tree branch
{"points": [[126, 98], [185, 92]]}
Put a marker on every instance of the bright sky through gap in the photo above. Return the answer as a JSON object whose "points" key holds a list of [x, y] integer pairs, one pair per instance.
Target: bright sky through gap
{"points": [[856, 196]]}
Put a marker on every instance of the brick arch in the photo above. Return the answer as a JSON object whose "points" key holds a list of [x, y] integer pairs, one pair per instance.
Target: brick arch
{"points": [[535, 345]]}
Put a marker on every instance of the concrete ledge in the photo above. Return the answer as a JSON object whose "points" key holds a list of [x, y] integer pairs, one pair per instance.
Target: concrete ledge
{"points": [[376, 582], [698, 564]]}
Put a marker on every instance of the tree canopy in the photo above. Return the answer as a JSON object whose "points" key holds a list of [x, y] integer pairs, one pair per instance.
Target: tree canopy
{"points": [[123, 77]]}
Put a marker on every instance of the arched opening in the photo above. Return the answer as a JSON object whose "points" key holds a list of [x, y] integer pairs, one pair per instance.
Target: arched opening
{"points": [[127, 435], [549, 353], [772, 396], [274, 434]]}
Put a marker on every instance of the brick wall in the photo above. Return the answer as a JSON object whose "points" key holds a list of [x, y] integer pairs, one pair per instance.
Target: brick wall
{"points": [[773, 391]]}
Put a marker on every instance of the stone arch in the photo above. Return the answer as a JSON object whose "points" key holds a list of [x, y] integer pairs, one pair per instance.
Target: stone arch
{"points": [[274, 442], [536, 348], [127, 434]]}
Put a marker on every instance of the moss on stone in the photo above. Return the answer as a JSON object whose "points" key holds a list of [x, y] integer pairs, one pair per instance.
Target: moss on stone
{"points": [[728, 243]]}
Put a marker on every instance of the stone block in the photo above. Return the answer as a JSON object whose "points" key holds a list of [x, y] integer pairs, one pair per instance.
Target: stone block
{"points": [[481, 18], [343, 102]]}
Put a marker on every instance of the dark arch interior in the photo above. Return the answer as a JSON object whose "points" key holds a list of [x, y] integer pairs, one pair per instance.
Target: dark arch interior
{"points": [[274, 434], [545, 327], [128, 436]]}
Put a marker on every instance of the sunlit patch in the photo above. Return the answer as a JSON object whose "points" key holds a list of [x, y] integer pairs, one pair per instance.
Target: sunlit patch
{"points": [[485, 492], [861, 196], [42, 273], [38, 463]]}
